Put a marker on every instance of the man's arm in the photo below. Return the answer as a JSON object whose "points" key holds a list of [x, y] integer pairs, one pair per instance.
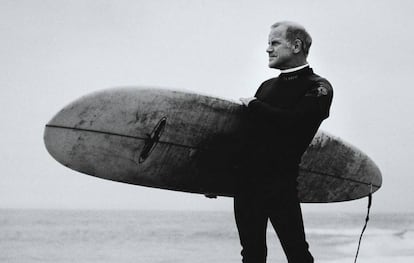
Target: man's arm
{"points": [[315, 103]]}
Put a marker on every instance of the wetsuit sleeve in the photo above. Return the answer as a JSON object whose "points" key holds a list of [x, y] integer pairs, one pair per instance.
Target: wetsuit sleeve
{"points": [[315, 104]]}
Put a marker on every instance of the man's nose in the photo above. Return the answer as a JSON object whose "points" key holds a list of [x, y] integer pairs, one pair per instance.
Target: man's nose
{"points": [[269, 49]]}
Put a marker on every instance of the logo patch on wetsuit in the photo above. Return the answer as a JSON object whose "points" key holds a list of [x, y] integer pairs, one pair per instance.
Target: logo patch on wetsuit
{"points": [[318, 92]]}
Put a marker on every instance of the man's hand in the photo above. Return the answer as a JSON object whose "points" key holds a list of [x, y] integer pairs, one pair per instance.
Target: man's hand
{"points": [[246, 101]]}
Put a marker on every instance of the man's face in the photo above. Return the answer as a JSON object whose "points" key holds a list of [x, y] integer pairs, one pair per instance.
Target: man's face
{"points": [[280, 50]]}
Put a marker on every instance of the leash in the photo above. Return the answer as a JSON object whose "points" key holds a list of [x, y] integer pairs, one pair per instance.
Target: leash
{"points": [[366, 222]]}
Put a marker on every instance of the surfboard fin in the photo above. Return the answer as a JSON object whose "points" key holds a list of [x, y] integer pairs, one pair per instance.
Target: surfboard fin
{"points": [[152, 139]]}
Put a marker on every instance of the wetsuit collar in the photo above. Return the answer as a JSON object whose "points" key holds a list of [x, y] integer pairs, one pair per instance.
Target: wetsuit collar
{"points": [[290, 70], [297, 73]]}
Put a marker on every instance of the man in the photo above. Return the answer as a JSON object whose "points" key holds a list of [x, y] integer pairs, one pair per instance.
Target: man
{"points": [[284, 115]]}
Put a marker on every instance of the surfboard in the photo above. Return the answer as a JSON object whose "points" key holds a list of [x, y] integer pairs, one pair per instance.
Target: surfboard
{"points": [[184, 141]]}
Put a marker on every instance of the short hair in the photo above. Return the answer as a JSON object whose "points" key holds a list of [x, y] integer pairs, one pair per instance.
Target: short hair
{"points": [[296, 31]]}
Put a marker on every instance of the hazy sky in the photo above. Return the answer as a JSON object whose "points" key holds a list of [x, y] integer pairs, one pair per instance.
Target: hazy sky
{"points": [[52, 52]]}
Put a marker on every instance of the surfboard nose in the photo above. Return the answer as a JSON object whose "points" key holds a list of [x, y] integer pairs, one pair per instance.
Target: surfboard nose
{"points": [[55, 143]]}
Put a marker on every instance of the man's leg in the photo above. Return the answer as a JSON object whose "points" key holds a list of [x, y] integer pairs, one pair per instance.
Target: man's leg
{"points": [[286, 218], [251, 223]]}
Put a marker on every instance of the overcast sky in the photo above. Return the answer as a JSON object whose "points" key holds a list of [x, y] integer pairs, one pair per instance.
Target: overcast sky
{"points": [[52, 52]]}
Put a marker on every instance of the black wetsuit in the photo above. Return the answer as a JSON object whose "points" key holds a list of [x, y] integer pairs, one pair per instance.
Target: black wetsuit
{"points": [[283, 120]]}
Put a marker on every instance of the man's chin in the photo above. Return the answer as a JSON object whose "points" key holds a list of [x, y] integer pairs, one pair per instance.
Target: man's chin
{"points": [[273, 65]]}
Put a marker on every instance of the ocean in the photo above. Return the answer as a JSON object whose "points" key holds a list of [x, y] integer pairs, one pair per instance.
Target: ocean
{"points": [[62, 236]]}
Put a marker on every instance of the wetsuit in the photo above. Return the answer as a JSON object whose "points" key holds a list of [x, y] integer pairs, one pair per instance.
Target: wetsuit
{"points": [[283, 120]]}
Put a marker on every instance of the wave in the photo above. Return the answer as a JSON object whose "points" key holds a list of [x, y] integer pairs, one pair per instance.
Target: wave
{"points": [[402, 233]]}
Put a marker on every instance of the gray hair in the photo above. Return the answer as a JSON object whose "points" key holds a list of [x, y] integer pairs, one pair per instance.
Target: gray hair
{"points": [[295, 31]]}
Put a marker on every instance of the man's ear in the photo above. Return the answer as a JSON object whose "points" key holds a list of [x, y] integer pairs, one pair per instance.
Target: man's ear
{"points": [[297, 46]]}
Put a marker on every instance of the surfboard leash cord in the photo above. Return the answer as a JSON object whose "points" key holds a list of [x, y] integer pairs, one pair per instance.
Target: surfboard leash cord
{"points": [[366, 222]]}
